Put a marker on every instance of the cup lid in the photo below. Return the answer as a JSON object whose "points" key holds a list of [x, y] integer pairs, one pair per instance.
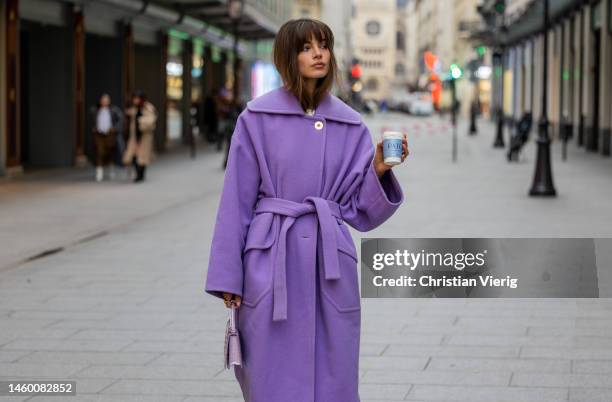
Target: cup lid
{"points": [[397, 134]]}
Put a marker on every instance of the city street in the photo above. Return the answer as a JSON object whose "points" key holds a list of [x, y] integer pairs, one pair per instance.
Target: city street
{"points": [[102, 283]]}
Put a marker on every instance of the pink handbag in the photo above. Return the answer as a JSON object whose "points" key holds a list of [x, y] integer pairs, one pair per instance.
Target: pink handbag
{"points": [[232, 353]]}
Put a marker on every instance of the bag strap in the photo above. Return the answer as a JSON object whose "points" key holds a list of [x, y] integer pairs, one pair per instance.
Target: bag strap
{"points": [[232, 316]]}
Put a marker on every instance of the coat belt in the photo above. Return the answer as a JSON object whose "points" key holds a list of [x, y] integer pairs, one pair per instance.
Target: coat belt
{"points": [[325, 210]]}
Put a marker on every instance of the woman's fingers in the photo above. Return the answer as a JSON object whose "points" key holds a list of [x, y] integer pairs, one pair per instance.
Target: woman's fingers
{"points": [[405, 150], [226, 298], [230, 298]]}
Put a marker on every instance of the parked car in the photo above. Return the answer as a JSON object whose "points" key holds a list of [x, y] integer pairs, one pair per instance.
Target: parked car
{"points": [[399, 101], [421, 104], [372, 105]]}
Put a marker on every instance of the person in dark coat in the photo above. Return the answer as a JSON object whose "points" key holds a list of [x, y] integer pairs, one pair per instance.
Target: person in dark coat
{"points": [[106, 123], [211, 118]]}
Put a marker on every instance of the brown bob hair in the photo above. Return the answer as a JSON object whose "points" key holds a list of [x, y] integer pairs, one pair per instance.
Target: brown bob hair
{"points": [[288, 42]]}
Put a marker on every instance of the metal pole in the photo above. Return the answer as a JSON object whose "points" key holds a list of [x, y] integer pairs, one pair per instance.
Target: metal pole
{"points": [[473, 129], [542, 180], [454, 118], [499, 138]]}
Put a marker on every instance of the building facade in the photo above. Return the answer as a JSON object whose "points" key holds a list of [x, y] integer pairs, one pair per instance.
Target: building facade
{"points": [[58, 57], [374, 32], [578, 80], [337, 14], [401, 78], [442, 27]]}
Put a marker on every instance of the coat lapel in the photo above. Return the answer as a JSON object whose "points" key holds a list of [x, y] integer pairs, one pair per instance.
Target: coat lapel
{"points": [[281, 101]]}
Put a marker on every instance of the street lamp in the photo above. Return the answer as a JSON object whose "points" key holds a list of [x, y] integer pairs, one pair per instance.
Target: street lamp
{"points": [[542, 180], [498, 61], [500, 8], [455, 73]]}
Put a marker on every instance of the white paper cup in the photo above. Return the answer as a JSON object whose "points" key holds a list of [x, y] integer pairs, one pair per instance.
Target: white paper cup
{"points": [[392, 147]]}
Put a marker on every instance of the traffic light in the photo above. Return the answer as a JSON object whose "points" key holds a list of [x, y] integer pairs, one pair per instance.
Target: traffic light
{"points": [[455, 71], [356, 71], [500, 6]]}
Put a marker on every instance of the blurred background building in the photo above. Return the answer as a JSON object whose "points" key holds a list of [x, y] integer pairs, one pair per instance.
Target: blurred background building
{"points": [[579, 83], [374, 32], [60, 56], [394, 35]]}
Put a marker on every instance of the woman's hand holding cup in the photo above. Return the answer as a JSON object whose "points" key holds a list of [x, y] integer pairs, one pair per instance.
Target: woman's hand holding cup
{"points": [[388, 152]]}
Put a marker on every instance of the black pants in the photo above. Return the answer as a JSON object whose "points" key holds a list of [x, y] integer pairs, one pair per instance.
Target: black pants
{"points": [[140, 170]]}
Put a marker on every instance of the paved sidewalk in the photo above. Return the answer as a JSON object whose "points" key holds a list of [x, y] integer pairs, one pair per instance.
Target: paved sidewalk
{"points": [[52, 209], [124, 314], [482, 195]]}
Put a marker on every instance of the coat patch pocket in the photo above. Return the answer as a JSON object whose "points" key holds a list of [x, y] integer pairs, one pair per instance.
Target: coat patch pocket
{"points": [[257, 258], [343, 293]]}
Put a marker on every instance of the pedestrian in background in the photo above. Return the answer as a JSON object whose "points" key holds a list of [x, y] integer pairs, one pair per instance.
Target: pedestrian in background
{"points": [[211, 117], [142, 120], [223, 100], [235, 109], [301, 167], [106, 123]]}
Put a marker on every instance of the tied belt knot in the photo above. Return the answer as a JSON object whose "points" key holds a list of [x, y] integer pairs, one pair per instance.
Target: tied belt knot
{"points": [[325, 211]]}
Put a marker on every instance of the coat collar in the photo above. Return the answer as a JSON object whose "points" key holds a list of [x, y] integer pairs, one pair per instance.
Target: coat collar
{"points": [[281, 101]]}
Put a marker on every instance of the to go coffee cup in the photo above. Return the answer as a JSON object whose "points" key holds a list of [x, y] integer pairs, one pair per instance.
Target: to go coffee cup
{"points": [[392, 147]]}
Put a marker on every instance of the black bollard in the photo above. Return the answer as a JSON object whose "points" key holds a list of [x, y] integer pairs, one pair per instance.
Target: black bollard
{"points": [[499, 138], [473, 128]]}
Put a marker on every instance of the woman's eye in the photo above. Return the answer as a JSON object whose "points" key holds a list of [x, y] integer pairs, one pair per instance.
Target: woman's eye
{"points": [[306, 49]]}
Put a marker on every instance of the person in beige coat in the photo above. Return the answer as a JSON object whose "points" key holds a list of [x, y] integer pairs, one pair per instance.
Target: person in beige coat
{"points": [[142, 119]]}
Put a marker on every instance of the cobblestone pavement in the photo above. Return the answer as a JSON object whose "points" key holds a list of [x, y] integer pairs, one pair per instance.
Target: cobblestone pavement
{"points": [[120, 308]]}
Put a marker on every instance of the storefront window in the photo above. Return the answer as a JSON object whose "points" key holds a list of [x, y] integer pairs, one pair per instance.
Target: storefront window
{"points": [[229, 71], [174, 89], [215, 54], [596, 16], [610, 16], [196, 71], [264, 78]]}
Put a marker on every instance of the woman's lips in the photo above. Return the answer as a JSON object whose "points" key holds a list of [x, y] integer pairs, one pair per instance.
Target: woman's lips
{"points": [[321, 65]]}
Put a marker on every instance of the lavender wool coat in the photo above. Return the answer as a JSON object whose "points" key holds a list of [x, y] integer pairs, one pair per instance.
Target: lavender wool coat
{"points": [[293, 181]]}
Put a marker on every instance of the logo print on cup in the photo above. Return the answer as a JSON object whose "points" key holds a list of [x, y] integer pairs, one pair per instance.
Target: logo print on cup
{"points": [[392, 147]]}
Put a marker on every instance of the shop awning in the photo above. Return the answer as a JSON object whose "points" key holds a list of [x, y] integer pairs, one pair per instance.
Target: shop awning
{"points": [[527, 20], [255, 23]]}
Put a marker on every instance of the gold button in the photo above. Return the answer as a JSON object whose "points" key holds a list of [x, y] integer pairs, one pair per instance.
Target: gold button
{"points": [[319, 125]]}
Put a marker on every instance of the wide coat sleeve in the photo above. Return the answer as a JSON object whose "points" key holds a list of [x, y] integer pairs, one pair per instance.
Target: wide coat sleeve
{"points": [[369, 200], [236, 206]]}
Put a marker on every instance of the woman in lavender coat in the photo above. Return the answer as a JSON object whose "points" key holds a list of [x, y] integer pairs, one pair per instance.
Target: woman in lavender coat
{"points": [[301, 167]]}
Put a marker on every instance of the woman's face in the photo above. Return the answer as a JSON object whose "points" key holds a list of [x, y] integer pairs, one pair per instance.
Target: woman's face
{"points": [[313, 59]]}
